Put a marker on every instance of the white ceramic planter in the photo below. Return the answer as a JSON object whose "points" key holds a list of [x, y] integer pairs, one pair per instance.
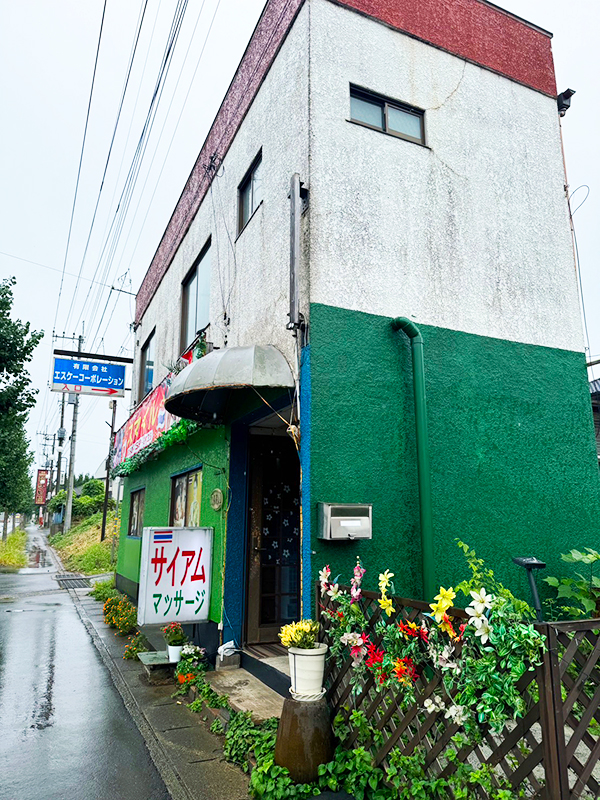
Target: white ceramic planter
{"points": [[174, 652], [306, 671]]}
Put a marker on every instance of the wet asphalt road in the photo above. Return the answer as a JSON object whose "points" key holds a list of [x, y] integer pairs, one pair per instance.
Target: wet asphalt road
{"points": [[64, 731]]}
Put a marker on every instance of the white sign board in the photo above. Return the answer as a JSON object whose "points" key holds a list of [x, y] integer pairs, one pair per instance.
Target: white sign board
{"points": [[175, 575]]}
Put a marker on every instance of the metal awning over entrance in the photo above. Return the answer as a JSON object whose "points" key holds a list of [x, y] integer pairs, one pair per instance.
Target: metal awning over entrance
{"points": [[203, 389]]}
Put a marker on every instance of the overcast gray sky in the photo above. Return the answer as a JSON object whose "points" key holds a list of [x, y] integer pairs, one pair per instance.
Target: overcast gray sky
{"points": [[47, 53]]}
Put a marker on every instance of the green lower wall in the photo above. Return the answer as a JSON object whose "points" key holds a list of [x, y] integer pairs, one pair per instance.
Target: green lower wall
{"points": [[513, 458], [209, 448]]}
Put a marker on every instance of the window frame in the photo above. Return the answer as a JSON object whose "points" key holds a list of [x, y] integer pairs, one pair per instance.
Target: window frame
{"points": [[384, 103], [247, 179], [143, 366], [189, 276], [132, 499], [185, 476]]}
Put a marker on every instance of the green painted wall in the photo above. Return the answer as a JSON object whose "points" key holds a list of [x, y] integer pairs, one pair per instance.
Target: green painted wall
{"points": [[207, 447], [514, 466]]}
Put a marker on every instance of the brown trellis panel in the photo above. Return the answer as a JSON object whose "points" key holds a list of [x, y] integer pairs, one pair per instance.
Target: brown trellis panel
{"points": [[553, 753]]}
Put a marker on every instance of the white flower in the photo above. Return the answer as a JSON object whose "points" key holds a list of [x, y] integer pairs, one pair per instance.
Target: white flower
{"points": [[457, 714], [334, 591], [324, 579], [352, 639], [444, 660], [483, 629], [475, 612], [481, 599], [429, 705]]}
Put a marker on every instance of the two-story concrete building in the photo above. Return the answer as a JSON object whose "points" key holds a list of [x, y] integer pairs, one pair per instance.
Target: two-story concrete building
{"points": [[430, 186]]}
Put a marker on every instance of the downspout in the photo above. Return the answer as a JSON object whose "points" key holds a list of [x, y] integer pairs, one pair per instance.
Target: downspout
{"points": [[424, 478]]}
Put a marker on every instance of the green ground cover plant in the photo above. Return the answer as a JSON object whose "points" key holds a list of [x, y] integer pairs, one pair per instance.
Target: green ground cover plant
{"points": [[13, 552], [102, 590]]}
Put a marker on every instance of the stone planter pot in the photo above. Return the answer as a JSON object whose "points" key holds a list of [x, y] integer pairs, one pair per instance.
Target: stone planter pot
{"points": [[306, 671], [174, 652]]}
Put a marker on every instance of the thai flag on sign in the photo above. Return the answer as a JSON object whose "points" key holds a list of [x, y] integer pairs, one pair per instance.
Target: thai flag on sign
{"points": [[163, 537]]}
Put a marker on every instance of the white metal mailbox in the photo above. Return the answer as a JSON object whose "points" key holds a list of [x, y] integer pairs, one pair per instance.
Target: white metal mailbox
{"points": [[338, 521]]}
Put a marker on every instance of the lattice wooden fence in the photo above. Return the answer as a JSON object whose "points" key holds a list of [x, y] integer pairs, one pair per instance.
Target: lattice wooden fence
{"points": [[552, 753]]}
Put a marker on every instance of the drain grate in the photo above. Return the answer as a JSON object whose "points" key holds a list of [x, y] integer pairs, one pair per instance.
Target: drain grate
{"points": [[67, 581]]}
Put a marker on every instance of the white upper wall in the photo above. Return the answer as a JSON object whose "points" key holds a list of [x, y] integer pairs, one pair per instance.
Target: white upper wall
{"points": [[470, 233], [250, 272]]}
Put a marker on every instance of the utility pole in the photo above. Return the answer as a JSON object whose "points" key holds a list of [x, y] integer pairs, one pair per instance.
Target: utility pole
{"points": [[61, 438], [69, 506], [113, 404]]}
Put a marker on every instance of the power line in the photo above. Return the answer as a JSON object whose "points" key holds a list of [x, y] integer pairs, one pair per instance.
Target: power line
{"points": [[87, 118], [112, 141], [123, 206], [176, 127], [56, 269]]}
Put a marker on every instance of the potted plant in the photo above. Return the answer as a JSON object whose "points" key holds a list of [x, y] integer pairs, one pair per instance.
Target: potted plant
{"points": [[192, 663], [175, 639], [307, 658]]}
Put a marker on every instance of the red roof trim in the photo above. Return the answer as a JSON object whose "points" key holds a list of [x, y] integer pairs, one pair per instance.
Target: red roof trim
{"points": [[475, 30]]}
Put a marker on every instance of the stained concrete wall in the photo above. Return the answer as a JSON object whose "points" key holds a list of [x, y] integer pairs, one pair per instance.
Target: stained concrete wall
{"points": [[469, 233], [250, 272]]}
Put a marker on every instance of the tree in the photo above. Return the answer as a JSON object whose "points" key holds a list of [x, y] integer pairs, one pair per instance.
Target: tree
{"points": [[17, 343]]}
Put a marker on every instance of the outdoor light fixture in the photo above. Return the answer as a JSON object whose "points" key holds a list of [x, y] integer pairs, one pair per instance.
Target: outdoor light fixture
{"points": [[564, 101], [530, 564]]}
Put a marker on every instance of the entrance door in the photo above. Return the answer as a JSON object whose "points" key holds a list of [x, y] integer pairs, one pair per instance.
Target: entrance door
{"points": [[274, 544]]}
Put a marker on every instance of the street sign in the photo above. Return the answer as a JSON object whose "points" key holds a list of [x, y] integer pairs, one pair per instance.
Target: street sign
{"points": [[41, 487], [82, 376], [175, 574]]}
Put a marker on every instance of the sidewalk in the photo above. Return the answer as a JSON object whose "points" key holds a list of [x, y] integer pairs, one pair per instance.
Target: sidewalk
{"points": [[188, 757]]}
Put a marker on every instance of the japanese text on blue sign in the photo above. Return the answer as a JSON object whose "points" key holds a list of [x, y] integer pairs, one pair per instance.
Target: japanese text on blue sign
{"points": [[88, 377]]}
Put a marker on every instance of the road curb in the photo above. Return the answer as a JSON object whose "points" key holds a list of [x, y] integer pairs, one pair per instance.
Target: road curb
{"points": [[167, 770]]}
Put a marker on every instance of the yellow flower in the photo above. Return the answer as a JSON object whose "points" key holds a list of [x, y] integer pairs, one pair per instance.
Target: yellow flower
{"points": [[386, 605], [385, 578], [438, 610], [446, 596]]}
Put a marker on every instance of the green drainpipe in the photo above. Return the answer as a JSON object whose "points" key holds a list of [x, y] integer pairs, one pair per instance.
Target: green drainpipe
{"points": [[416, 345]]}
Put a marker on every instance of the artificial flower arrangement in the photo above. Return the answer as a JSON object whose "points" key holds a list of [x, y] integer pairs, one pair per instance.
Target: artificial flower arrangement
{"points": [[301, 634], [479, 657]]}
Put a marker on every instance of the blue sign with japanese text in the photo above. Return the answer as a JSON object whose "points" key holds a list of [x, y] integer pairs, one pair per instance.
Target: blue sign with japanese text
{"points": [[88, 377]]}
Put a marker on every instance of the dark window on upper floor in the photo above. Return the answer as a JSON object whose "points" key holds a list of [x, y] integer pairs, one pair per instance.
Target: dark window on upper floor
{"points": [[250, 192], [195, 303], [390, 116], [136, 513], [147, 366]]}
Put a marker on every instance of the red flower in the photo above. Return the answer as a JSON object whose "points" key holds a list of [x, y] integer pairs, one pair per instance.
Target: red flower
{"points": [[404, 669], [408, 629]]}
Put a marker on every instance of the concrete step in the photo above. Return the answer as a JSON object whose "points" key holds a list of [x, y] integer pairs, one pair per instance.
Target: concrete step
{"points": [[247, 693]]}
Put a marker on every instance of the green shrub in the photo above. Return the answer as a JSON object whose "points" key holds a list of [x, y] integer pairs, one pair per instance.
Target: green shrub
{"points": [[102, 590], [109, 609], [12, 551], [93, 488], [121, 614], [137, 644]]}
